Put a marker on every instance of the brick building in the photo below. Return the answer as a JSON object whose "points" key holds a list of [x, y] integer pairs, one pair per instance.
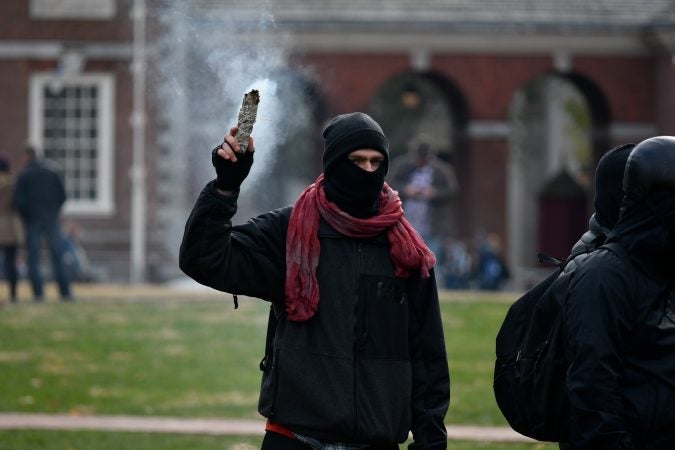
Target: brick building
{"points": [[523, 98]]}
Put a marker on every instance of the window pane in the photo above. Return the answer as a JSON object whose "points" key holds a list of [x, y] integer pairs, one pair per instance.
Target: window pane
{"points": [[70, 132]]}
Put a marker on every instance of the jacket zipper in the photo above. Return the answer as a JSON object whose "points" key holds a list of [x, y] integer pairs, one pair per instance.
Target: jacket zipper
{"points": [[275, 381], [356, 335]]}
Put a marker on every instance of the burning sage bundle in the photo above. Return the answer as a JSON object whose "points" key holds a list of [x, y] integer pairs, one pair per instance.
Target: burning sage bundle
{"points": [[246, 118]]}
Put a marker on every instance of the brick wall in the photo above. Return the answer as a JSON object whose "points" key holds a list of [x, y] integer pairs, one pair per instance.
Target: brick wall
{"points": [[627, 83], [16, 24], [488, 84]]}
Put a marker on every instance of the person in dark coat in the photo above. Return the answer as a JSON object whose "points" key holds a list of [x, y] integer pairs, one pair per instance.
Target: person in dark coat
{"points": [[358, 355], [38, 197], [620, 321], [607, 204]]}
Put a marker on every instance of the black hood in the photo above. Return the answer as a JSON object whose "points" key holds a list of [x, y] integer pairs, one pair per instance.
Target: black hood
{"points": [[349, 132], [646, 229], [609, 185]]}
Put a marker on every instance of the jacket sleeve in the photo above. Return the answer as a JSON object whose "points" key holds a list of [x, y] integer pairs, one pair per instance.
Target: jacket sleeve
{"points": [[444, 182], [246, 259], [19, 196], [431, 378], [598, 317]]}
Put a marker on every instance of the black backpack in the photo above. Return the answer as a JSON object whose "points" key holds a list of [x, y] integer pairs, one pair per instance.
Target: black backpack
{"points": [[530, 370]]}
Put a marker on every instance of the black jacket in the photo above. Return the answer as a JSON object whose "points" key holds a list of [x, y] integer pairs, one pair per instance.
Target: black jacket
{"points": [[370, 366], [620, 338], [39, 193]]}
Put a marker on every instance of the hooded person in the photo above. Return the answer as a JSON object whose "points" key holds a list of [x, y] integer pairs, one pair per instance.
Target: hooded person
{"points": [[607, 202], [351, 286], [352, 189], [619, 317]]}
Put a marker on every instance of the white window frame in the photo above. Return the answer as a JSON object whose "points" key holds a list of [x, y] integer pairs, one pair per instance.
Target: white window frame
{"points": [[72, 9], [105, 82]]}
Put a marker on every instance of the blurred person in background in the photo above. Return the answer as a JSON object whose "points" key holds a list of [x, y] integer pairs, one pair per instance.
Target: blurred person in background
{"points": [[38, 197], [11, 233], [358, 354], [74, 256], [491, 270], [426, 184], [457, 264]]}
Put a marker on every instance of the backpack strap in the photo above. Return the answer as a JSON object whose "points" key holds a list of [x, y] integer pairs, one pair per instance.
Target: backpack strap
{"points": [[548, 259], [559, 262]]}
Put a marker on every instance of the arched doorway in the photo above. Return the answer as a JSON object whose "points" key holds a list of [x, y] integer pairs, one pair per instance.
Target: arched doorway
{"points": [[414, 104], [558, 131]]}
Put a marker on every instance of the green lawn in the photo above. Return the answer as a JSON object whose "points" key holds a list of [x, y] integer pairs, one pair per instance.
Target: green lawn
{"points": [[147, 357], [196, 358]]}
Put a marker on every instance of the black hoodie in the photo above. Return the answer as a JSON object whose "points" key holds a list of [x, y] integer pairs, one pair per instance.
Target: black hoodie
{"points": [[620, 335]]}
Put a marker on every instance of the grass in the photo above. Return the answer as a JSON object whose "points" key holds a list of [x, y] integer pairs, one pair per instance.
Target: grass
{"points": [[147, 357], [470, 329], [165, 355]]}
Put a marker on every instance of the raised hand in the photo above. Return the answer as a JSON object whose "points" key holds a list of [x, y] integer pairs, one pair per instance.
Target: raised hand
{"points": [[232, 166]]}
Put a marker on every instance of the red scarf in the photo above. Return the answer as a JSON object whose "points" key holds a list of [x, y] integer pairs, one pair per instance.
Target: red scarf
{"points": [[408, 250]]}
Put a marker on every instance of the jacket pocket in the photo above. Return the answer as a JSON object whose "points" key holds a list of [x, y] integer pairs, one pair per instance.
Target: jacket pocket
{"points": [[382, 318]]}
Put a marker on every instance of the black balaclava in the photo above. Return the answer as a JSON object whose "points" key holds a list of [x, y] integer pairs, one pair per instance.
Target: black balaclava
{"points": [[609, 185], [354, 190]]}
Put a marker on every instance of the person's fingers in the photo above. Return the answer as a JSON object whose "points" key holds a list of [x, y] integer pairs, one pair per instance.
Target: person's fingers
{"points": [[232, 142], [226, 152]]}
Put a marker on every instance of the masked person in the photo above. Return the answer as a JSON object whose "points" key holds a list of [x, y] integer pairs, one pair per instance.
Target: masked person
{"points": [[607, 202], [358, 357], [619, 317]]}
